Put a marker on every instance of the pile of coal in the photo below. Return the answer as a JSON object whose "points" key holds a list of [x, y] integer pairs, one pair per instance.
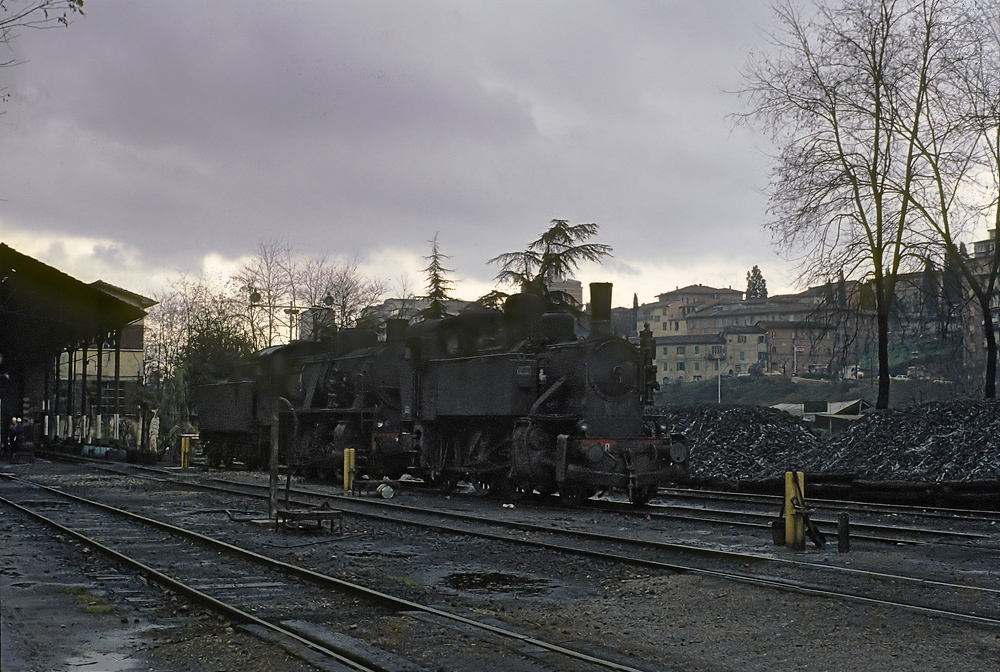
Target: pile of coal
{"points": [[932, 443], [938, 442], [737, 443]]}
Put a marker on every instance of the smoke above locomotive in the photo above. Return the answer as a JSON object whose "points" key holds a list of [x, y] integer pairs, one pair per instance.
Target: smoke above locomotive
{"points": [[511, 401]]}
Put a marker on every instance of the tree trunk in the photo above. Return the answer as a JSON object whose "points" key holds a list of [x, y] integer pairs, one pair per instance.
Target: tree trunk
{"points": [[990, 387], [882, 316]]}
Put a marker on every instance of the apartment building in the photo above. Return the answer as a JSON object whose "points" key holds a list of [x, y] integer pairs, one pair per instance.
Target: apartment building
{"points": [[689, 358], [746, 349], [786, 335], [667, 316]]}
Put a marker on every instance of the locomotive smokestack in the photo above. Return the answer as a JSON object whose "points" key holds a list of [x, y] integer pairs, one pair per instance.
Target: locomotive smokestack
{"points": [[600, 308], [395, 330]]}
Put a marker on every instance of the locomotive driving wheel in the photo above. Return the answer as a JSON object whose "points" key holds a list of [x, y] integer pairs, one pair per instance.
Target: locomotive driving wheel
{"points": [[446, 483], [511, 490], [641, 494], [574, 495]]}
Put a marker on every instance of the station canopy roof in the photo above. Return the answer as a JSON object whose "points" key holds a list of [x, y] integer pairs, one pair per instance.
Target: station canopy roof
{"points": [[44, 311]]}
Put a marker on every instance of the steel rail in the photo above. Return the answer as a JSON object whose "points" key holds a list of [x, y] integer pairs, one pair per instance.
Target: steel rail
{"points": [[751, 579], [353, 504], [233, 487], [190, 592], [317, 577], [347, 502], [704, 515], [838, 504], [745, 519]]}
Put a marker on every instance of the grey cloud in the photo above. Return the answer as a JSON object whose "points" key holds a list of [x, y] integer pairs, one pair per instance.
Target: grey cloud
{"points": [[349, 126]]}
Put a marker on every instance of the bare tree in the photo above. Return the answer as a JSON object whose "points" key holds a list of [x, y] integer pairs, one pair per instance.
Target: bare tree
{"points": [[975, 92], [193, 336], [279, 284], [404, 291], [337, 286], [843, 92], [35, 15], [352, 294], [267, 280], [957, 146]]}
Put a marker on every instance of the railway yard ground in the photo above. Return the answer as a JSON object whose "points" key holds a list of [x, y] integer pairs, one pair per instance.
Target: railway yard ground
{"points": [[67, 607]]}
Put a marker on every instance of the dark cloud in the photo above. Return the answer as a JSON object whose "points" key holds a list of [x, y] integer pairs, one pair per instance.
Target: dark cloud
{"points": [[353, 127]]}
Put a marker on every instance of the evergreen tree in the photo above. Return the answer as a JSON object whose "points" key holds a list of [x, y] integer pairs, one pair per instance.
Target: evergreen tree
{"points": [[756, 285], [554, 255], [438, 285]]}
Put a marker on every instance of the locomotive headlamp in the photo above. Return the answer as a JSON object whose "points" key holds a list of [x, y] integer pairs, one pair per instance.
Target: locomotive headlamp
{"points": [[380, 423], [663, 428], [582, 427]]}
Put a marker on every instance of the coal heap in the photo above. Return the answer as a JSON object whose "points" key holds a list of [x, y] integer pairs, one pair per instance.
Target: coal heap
{"points": [[734, 443], [933, 443]]}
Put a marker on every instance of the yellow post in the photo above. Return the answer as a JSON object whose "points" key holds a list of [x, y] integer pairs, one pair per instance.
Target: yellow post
{"points": [[348, 469], [794, 500], [185, 452]]}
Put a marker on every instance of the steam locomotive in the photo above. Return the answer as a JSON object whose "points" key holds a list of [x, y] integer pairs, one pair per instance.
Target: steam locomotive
{"points": [[510, 401]]}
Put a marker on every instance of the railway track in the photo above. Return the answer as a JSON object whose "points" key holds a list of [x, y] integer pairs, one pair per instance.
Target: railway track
{"points": [[345, 629], [933, 591], [894, 524]]}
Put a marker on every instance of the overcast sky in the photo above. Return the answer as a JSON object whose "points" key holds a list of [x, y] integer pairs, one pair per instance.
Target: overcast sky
{"points": [[150, 139]]}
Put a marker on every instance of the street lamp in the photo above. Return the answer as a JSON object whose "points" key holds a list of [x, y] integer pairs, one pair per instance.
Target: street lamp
{"points": [[256, 299], [291, 311]]}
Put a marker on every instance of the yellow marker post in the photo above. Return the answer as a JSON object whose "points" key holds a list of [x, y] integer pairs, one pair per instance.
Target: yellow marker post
{"points": [[348, 469], [794, 501], [185, 451]]}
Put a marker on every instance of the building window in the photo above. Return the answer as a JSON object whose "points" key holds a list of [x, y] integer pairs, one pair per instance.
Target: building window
{"points": [[760, 339], [680, 366], [741, 339], [696, 378], [742, 355], [697, 366], [680, 349], [666, 366], [774, 349], [716, 350], [697, 349]]}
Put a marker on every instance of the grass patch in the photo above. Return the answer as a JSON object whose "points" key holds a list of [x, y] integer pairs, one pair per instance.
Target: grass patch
{"points": [[74, 590], [87, 601]]}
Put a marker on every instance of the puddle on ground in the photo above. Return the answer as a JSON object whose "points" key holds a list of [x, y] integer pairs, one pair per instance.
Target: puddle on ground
{"points": [[380, 554], [496, 582]]}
